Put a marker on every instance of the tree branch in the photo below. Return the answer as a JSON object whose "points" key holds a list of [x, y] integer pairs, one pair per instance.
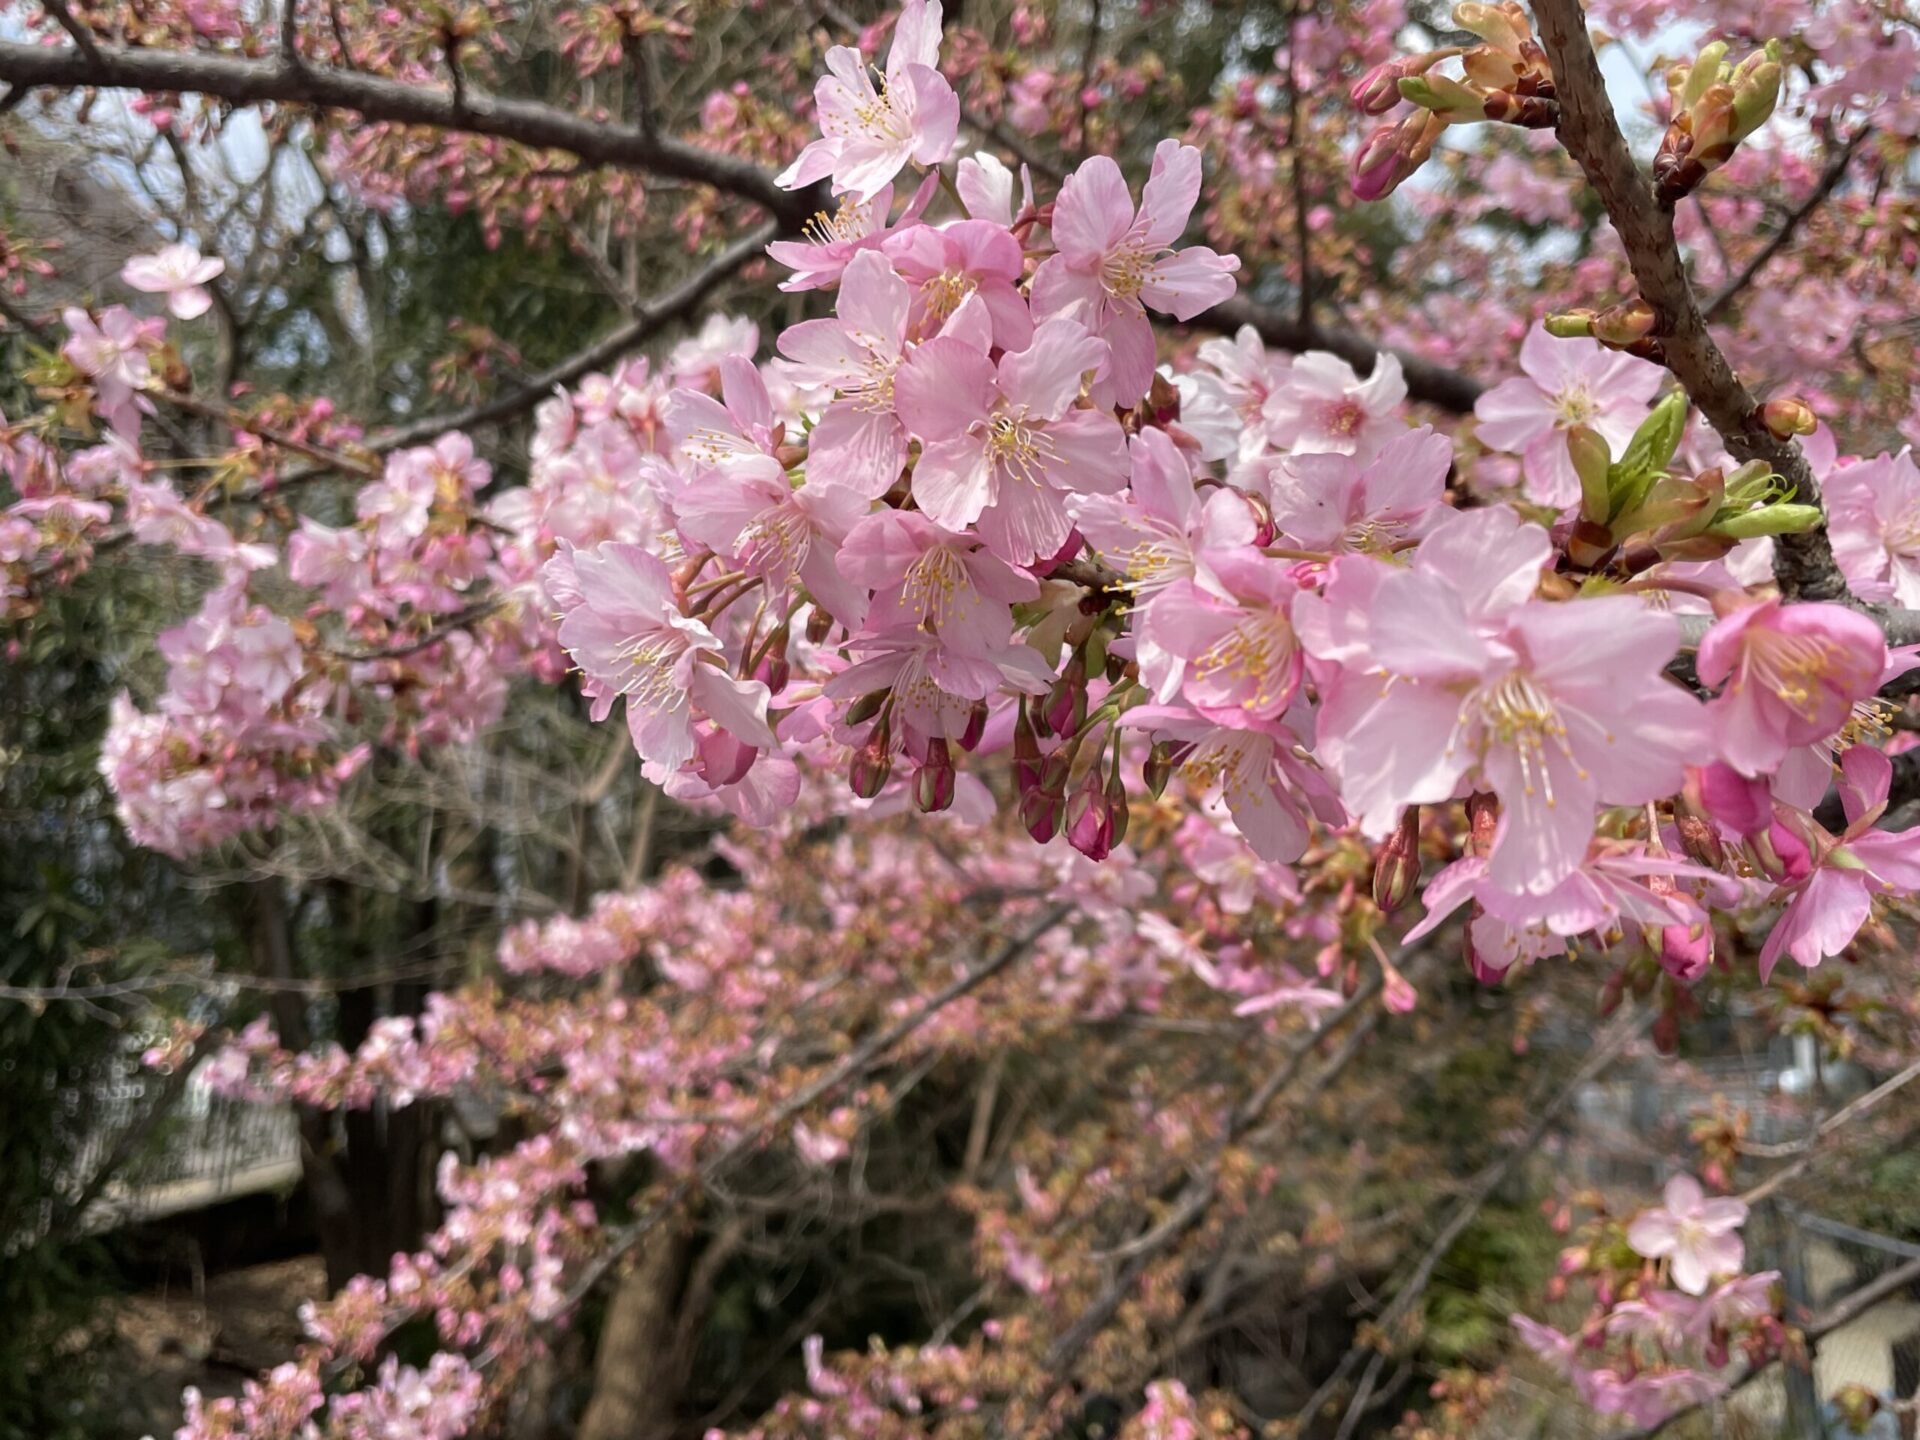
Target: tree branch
{"points": [[1435, 384], [1830, 179], [82, 36], [1845, 1312], [525, 122], [1803, 564], [856, 1062], [648, 316], [1605, 1051]]}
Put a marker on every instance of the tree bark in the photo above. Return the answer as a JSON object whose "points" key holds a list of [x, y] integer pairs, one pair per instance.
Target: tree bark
{"points": [[637, 1377]]}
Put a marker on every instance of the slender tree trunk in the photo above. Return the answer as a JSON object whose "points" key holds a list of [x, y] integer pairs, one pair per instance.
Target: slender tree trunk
{"points": [[637, 1377]]}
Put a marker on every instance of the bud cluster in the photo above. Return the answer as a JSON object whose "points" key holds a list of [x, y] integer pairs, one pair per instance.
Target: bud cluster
{"points": [[1715, 107], [1633, 511], [1504, 79]]}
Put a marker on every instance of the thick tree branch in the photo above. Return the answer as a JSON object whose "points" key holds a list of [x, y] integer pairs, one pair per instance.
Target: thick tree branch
{"points": [[1803, 564], [252, 82], [1435, 384]]}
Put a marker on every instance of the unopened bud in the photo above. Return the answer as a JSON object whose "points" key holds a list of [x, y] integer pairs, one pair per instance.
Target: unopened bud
{"points": [[1118, 809], [1771, 520], [1392, 153], [933, 782], [1624, 325], [1065, 710], [819, 623], [1444, 96], [775, 669], [1698, 835], [1090, 818], [1378, 91], [1162, 760], [1483, 818], [866, 707], [1396, 869], [1570, 325], [1026, 751], [1686, 951], [1756, 90], [872, 763], [976, 726], [1704, 71], [1787, 416], [1042, 813], [1591, 461], [1498, 25]]}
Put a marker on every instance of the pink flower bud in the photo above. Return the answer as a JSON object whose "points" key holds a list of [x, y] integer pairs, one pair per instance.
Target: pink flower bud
{"points": [[872, 763], [1396, 869], [1787, 416], [933, 782]]}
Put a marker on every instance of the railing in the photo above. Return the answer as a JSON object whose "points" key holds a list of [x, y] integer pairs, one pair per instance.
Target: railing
{"points": [[205, 1149]]}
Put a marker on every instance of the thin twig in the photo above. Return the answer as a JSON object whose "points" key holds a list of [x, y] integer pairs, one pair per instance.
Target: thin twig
{"points": [[82, 36], [1829, 181]]}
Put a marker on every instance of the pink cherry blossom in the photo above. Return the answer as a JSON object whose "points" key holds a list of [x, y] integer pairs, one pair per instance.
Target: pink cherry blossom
{"points": [[1336, 503], [1003, 442], [1320, 406], [1698, 1237], [112, 352], [180, 273], [870, 133], [1567, 383], [945, 264], [1792, 675], [925, 577], [859, 442], [627, 635], [1828, 901], [1113, 263], [1875, 509], [1555, 708], [855, 227]]}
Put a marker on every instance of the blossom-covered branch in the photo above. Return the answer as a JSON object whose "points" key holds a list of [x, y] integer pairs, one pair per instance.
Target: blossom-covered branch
{"points": [[1804, 563]]}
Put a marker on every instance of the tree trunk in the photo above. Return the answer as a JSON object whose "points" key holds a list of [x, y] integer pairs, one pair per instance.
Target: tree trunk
{"points": [[636, 1372], [369, 1195]]}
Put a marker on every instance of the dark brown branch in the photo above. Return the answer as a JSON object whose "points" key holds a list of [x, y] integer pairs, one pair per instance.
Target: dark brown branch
{"points": [[82, 36], [1434, 384], [648, 316], [1829, 181], [1803, 564], [525, 122]]}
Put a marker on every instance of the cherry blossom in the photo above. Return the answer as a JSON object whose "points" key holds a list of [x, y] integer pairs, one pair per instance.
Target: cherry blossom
{"points": [[1697, 1236], [178, 272], [1567, 383]]}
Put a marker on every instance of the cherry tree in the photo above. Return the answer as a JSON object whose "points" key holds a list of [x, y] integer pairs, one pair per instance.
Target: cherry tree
{"points": [[1438, 519]]}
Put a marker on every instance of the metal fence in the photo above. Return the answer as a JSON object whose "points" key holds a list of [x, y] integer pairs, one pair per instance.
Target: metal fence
{"points": [[204, 1148]]}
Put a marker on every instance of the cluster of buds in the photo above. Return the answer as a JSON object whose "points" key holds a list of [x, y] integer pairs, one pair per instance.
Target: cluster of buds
{"points": [[1628, 326], [1715, 107], [1075, 788], [1632, 510], [1505, 79]]}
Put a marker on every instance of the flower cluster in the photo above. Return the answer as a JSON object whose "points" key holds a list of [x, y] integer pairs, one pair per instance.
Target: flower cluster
{"points": [[1671, 1308]]}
